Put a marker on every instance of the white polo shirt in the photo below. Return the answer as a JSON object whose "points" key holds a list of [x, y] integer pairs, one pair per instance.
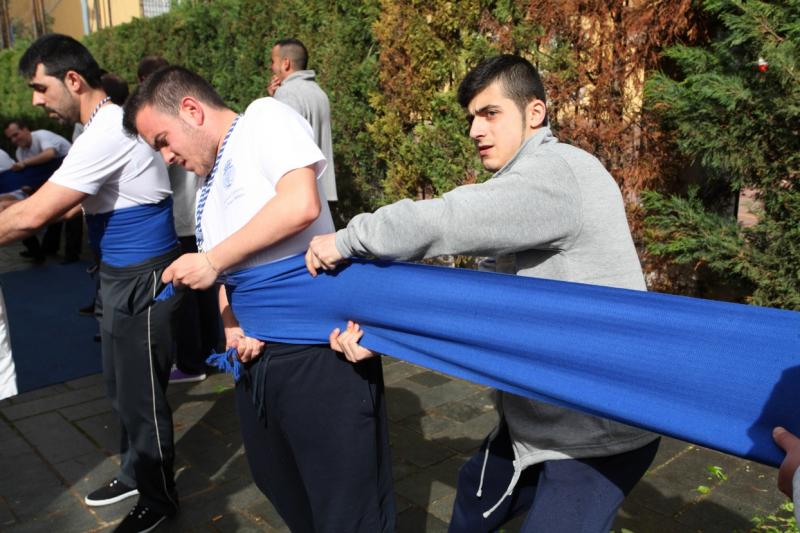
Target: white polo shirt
{"points": [[5, 161], [116, 170], [269, 140], [41, 140]]}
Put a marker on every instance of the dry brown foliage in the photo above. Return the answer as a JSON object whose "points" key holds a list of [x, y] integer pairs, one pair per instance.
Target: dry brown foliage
{"points": [[596, 97]]}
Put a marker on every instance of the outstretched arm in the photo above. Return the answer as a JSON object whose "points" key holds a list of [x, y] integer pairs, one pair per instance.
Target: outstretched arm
{"points": [[513, 212], [25, 217]]}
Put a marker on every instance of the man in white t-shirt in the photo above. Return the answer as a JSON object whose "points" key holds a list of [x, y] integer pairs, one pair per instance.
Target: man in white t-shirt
{"points": [[37, 147], [124, 190], [314, 431], [43, 151]]}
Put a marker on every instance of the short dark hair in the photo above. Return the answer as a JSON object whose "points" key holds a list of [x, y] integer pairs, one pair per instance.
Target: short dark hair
{"points": [[59, 54], [295, 51], [21, 124], [148, 65], [115, 87], [164, 90], [519, 78]]}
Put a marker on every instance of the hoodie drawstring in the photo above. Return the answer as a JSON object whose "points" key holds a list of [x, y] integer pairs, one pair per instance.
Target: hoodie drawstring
{"points": [[489, 440], [514, 479], [508, 492]]}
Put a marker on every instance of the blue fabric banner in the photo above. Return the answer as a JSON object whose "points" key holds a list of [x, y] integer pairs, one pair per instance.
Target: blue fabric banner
{"points": [[718, 374]]}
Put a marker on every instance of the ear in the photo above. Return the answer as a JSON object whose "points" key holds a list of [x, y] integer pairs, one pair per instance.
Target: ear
{"points": [[74, 82], [286, 64], [192, 110], [535, 113]]}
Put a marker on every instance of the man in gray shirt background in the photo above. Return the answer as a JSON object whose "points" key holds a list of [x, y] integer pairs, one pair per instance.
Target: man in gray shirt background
{"points": [[296, 87]]}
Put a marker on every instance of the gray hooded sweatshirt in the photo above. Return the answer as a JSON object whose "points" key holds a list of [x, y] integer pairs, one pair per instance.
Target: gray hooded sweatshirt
{"points": [[300, 91], [553, 211]]}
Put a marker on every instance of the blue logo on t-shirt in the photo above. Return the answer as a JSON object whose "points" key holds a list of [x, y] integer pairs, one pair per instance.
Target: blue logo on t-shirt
{"points": [[228, 174]]}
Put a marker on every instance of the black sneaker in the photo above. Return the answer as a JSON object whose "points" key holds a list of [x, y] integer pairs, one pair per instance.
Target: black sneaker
{"points": [[141, 519], [115, 491]]}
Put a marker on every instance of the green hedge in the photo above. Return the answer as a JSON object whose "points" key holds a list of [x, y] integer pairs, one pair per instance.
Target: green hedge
{"points": [[390, 67]]}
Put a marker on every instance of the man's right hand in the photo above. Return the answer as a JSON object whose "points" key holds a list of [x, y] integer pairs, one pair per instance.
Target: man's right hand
{"points": [[274, 83], [346, 342], [248, 348], [322, 254]]}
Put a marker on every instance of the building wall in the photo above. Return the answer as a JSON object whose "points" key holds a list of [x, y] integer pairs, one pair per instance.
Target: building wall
{"points": [[65, 16]]}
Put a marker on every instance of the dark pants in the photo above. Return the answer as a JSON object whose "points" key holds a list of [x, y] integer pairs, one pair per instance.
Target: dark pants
{"points": [[137, 336], [51, 241], [199, 323], [73, 237], [574, 495], [315, 433]]}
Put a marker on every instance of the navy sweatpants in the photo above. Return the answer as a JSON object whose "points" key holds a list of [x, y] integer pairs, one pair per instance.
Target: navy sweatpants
{"points": [[568, 495], [315, 432]]}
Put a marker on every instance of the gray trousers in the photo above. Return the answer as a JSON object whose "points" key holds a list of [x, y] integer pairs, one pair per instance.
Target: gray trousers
{"points": [[137, 336]]}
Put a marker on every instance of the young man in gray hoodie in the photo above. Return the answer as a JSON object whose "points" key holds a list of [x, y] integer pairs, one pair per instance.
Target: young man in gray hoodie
{"points": [[550, 211]]}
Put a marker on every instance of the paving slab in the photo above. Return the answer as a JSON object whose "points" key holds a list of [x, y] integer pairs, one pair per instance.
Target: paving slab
{"points": [[54, 437], [48, 403], [103, 430], [86, 409], [431, 484], [37, 394]]}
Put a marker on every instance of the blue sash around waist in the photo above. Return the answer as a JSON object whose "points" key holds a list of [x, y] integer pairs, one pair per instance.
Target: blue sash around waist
{"points": [[718, 374], [131, 235]]}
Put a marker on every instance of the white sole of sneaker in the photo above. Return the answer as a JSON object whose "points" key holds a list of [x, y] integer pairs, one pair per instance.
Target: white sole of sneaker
{"points": [[109, 501], [193, 379]]}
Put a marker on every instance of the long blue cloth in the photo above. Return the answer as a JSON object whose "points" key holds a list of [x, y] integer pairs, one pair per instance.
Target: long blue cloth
{"points": [[33, 177], [718, 374]]}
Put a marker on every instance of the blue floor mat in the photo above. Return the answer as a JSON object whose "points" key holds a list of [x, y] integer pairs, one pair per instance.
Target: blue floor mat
{"points": [[51, 343]]}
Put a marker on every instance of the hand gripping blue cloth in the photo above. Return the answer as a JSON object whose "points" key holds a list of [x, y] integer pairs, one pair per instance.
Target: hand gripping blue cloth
{"points": [[718, 374]]}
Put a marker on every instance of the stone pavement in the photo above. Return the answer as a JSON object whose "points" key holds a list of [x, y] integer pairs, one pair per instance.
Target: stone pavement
{"points": [[59, 442]]}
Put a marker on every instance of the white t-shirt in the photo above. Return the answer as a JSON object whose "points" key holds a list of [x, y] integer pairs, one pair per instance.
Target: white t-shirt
{"points": [[41, 140], [5, 161], [269, 140], [116, 170]]}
